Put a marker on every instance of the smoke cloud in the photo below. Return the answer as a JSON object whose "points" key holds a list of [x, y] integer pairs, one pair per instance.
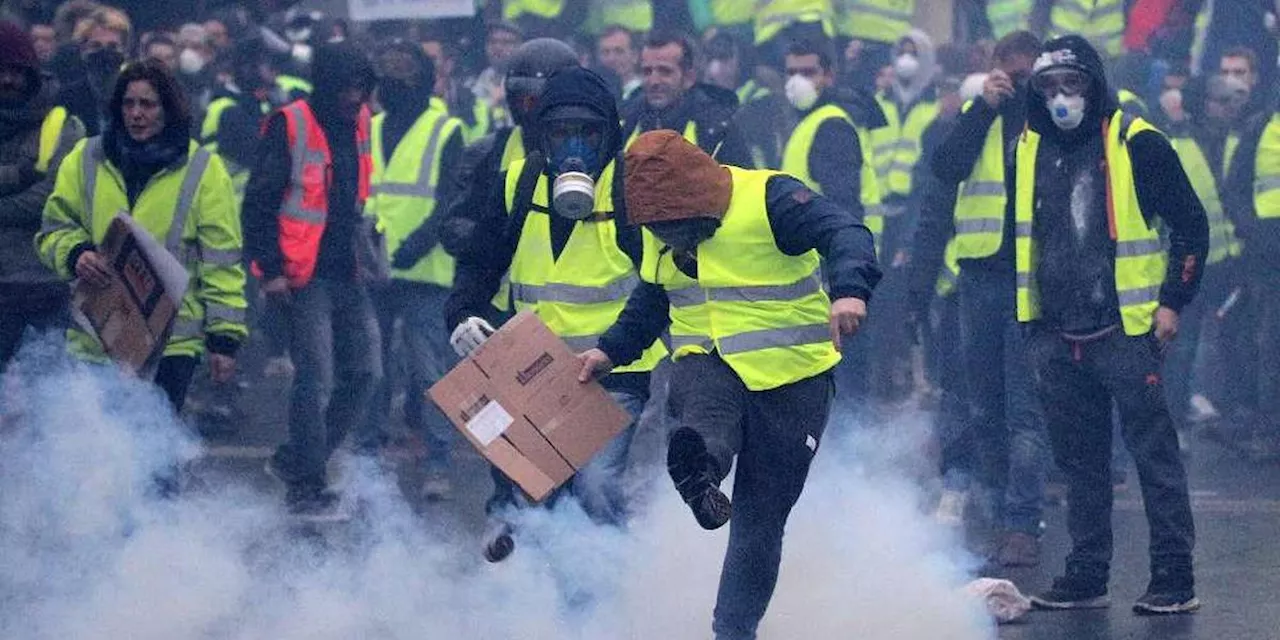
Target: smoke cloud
{"points": [[87, 550]]}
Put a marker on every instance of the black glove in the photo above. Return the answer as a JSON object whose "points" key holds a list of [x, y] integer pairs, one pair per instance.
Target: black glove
{"points": [[413, 249]]}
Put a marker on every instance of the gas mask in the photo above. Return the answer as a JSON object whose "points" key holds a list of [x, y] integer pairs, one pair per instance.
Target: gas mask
{"points": [[801, 92], [906, 66], [574, 161], [190, 61], [1067, 111]]}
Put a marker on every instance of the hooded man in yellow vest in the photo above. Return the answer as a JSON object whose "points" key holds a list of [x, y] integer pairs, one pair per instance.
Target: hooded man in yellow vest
{"points": [[554, 230], [1100, 292], [731, 271], [485, 161], [415, 145]]}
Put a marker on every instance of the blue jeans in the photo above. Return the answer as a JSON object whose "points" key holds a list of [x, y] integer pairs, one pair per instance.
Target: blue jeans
{"points": [[333, 337], [600, 486], [1007, 423], [427, 357]]}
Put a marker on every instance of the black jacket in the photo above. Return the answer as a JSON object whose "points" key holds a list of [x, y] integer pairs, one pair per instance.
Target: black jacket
{"points": [[1076, 255], [835, 160], [345, 237], [801, 221], [711, 108], [485, 255]]}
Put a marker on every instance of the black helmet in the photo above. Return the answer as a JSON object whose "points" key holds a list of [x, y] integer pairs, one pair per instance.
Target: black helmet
{"points": [[527, 72]]}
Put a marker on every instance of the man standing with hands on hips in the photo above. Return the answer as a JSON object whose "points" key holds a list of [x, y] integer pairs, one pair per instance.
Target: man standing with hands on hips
{"points": [[730, 267]]}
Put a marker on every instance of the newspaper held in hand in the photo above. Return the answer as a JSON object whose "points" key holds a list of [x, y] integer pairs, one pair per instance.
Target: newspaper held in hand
{"points": [[134, 315]]}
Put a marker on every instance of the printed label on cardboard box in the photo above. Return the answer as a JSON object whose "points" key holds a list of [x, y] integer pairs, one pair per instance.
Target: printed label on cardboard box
{"points": [[489, 423]]}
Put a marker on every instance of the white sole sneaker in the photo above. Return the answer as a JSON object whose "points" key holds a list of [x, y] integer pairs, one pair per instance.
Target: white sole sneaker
{"points": [[1100, 602], [1146, 609]]}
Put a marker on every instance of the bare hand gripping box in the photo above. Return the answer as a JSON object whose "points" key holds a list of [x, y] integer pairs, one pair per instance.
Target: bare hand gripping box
{"points": [[517, 399]]}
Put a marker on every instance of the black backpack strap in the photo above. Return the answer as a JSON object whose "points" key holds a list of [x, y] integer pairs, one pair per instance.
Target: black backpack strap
{"points": [[525, 187]]}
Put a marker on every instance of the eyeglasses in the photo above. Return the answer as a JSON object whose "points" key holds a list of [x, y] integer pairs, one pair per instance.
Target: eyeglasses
{"points": [[1068, 82]]}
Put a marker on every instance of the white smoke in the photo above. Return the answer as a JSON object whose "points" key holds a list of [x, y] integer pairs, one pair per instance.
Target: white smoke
{"points": [[87, 550]]}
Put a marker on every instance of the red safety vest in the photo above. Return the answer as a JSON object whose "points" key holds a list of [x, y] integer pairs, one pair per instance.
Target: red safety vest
{"points": [[306, 199]]}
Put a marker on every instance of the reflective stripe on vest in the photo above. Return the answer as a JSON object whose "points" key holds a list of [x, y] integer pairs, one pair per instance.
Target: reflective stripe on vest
{"points": [[1266, 184], [50, 133], [764, 312], [872, 203], [185, 326], [1140, 258], [1101, 22], [876, 20], [92, 157], [798, 152], [581, 292], [981, 200], [306, 201], [1205, 185]]}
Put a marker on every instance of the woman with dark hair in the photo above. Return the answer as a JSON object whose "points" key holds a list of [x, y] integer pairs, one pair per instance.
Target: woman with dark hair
{"points": [[144, 165]]}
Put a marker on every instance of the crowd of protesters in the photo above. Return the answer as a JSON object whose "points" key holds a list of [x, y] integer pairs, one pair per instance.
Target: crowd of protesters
{"points": [[1074, 206]]}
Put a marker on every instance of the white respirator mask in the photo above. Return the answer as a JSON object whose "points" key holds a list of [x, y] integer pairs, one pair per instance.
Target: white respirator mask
{"points": [[1067, 111], [801, 92], [906, 66], [190, 61]]}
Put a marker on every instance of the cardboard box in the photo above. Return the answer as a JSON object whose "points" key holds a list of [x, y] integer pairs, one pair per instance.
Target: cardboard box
{"points": [[517, 399], [133, 315]]}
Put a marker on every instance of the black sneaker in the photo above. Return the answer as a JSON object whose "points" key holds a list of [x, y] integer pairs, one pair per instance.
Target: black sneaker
{"points": [[1072, 593], [693, 472], [498, 543], [1167, 603], [315, 505]]}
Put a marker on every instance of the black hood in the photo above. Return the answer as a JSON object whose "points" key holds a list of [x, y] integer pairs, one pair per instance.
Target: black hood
{"points": [[1074, 52], [337, 67], [581, 87], [426, 72]]}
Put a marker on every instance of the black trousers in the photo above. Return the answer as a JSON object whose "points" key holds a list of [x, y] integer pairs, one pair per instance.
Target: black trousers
{"points": [[1077, 383], [173, 376], [774, 434], [44, 315]]}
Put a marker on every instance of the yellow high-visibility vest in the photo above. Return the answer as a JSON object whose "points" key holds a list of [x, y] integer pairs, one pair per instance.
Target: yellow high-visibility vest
{"points": [[764, 312], [1101, 22], [635, 15], [897, 147], [1198, 171], [1140, 255], [875, 20], [403, 186], [772, 16], [190, 209], [981, 200], [581, 293], [1266, 181], [1007, 16], [513, 10]]}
